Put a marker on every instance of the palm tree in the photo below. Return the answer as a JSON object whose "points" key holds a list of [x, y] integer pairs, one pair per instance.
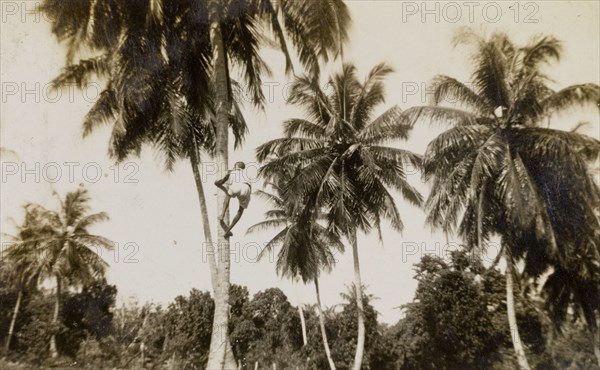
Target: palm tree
{"points": [[497, 170], [316, 28], [306, 247], [153, 95], [64, 249], [149, 44], [343, 161], [20, 255]]}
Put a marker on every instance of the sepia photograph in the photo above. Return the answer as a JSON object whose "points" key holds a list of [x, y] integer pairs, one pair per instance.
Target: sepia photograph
{"points": [[299, 185]]}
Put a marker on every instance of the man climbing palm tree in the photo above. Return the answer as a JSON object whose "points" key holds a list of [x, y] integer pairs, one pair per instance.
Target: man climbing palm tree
{"points": [[235, 185]]}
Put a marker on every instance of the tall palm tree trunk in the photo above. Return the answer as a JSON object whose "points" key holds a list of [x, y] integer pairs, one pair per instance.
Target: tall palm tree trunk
{"points": [[53, 349], [360, 344], [512, 318], [220, 355], [322, 325], [209, 250], [303, 324], [13, 320]]}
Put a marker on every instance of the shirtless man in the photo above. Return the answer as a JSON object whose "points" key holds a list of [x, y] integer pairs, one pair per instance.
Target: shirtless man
{"points": [[235, 185]]}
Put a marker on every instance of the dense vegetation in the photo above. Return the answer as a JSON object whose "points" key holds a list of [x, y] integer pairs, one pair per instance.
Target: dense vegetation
{"points": [[457, 321]]}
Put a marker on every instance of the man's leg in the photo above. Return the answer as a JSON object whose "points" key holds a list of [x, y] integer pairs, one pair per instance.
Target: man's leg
{"points": [[225, 205], [234, 221], [222, 215], [220, 184]]}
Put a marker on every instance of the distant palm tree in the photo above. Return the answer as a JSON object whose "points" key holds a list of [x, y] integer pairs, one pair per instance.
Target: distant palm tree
{"points": [[350, 295], [63, 248], [498, 170], [151, 44], [20, 256], [305, 247], [343, 162]]}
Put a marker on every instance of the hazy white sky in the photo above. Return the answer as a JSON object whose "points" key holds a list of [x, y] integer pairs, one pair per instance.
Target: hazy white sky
{"points": [[155, 215]]}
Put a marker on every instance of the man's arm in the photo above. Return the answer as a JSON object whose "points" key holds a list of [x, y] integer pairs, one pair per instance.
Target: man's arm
{"points": [[224, 179]]}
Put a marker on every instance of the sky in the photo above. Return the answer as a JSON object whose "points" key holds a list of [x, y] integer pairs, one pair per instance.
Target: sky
{"points": [[154, 214]]}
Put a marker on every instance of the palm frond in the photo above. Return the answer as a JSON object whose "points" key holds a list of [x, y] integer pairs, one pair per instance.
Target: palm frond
{"points": [[440, 115], [318, 29], [275, 242], [541, 51], [81, 74], [449, 194], [388, 126], [266, 225], [273, 199], [370, 95], [94, 240], [102, 112], [488, 160], [298, 127], [86, 221], [446, 149], [568, 147], [448, 89], [278, 147], [572, 96], [306, 92]]}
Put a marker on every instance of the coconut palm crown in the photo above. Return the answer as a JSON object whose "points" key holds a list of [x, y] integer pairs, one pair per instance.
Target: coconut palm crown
{"points": [[499, 169], [340, 149]]}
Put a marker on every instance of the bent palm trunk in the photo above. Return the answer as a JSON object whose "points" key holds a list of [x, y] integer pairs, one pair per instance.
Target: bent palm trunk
{"points": [[53, 349], [360, 343], [220, 353], [322, 325], [13, 320], [512, 318]]}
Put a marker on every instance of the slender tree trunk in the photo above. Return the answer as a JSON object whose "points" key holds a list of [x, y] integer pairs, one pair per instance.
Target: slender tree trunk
{"points": [[512, 318], [143, 354], [13, 320], [480, 220], [596, 344], [209, 250], [53, 349], [322, 325], [220, 355], [360, 344], [303, 324]]}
